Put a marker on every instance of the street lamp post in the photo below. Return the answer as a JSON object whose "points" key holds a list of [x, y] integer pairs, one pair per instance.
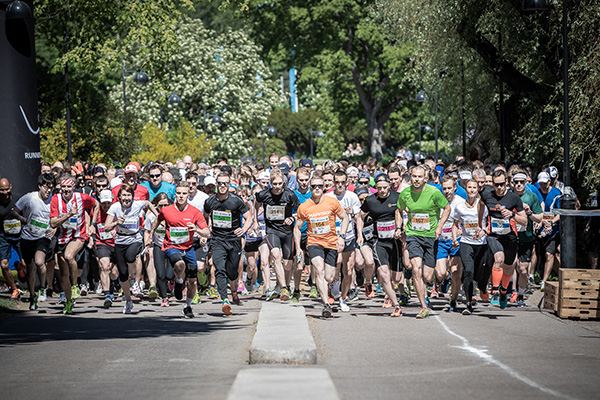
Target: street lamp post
{"points": [[270, 131], [422, 97], [427, 129], [319, 135], [215, 120], [172, 99], [140, 77], [567, 223]]}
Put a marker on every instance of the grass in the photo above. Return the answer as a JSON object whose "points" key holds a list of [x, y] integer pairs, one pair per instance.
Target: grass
{"points": [[7, 303]]}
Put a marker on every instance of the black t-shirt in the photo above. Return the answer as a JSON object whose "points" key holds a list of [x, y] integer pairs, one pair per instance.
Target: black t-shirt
{"points": [[5, 211], [383, 212], [277, 209], [495, 204], [225, 216]]}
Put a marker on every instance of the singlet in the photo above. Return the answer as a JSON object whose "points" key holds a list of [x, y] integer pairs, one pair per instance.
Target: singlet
{"points": [[468, 221]]}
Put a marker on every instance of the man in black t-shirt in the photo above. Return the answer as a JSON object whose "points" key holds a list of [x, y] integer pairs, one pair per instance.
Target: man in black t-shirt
{"points": [[10, 232], [280, 203], [224, 212], [505, 211]]}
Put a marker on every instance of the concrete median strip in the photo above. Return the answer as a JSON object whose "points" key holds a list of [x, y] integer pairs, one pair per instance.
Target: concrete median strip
{"points": [[290, 383], [282, 336]]}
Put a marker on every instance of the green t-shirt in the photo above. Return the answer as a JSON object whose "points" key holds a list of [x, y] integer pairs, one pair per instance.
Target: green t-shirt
{"points": [[423, 209], [526, 233]]}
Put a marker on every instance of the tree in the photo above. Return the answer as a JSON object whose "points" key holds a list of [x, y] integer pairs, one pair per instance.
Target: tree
{"points": [[340, 43], [217, 74]]}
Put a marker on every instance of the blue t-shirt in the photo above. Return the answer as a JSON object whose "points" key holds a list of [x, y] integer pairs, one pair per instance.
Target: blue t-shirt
{"points": [[302, 198], [164, 187], [551, 200], [535, 191], [460, 191], [439, 187]]}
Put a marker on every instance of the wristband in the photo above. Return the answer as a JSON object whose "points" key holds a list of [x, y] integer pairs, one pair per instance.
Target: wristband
{"points": [[94, 224]]}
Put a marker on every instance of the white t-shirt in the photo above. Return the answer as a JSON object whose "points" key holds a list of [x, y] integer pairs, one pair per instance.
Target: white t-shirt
{"points": [[37, 213], [447, 228], [468, 221], [198, 200], [129, 231], [348, 200], [159, 235]]}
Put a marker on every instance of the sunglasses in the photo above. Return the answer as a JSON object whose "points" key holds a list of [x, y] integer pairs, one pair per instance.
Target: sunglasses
{"points": [[519, 182], [500, 184], [340, 182], [320, 187], [155, 176], [223, 183]]}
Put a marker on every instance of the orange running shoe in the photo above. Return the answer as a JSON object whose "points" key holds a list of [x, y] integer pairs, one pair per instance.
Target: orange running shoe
{"points": [[331, 299], [226, 307], [387, 303], [369, 290]]}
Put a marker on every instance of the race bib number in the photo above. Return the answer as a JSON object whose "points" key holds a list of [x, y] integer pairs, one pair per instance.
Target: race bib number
{"points": [[179, 234], [521, 228], [262, 229], [70, 223], [222, 219], [320, 226], [12, 226], [500, 226], [160, 232], [385, 229], [275, 213], [368, 232], [447, 231], [39, 225], [130, 226], [103, 234], [420, 222], [471, 226]]}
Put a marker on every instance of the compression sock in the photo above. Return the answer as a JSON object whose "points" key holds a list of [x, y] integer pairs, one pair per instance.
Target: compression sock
{"points": [[496, 278], [505, 281]]}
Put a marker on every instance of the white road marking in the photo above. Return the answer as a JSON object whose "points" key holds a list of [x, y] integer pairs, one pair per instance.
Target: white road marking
{"points": [[491, 360]]}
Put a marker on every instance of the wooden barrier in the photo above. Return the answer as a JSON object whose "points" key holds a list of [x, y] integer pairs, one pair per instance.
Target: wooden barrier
{"points": [[578, 294]]}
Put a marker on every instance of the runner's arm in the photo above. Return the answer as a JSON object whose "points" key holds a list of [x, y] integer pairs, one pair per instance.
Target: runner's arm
{"points": [[360, 223], [94, 222], [16, 213], [55, 222], [442, 221], [298, 237]]}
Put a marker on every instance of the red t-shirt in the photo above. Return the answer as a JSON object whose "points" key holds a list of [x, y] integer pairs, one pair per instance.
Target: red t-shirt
{"points": [[103, 237], [73, 227], [178, 235], [140, 193]]}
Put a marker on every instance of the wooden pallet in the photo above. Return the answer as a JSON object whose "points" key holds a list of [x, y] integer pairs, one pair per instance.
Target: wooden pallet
{"points": [[551, 296], [578, 294]]}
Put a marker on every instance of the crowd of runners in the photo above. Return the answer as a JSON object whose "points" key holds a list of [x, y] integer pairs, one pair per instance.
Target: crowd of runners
{"points": [[179, 232]]}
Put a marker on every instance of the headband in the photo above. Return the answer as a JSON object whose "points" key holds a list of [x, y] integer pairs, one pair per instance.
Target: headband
{"points": [[67, 181]]}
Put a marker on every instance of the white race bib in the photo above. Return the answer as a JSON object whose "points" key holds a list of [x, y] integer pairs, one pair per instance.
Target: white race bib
{"points": [[471, 225], [130, 226], [160, 232], [521, 228], [12, 226], [179, 234], [275, 213], [368, 232], [447, 231], [39, 225], [70, 223], [386, 229], [420, 222], [103, 234], [221, 219], [320, 226], [500, 226]]}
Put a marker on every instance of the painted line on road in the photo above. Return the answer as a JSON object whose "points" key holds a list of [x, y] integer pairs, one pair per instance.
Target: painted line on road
{"points": [[489, 359]]}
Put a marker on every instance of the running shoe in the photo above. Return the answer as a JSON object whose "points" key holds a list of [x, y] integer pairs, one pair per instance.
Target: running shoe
{"points": [[142, 285], [403, 299], [503, 301], [255, 288], [153, 293], [212, 293], [108, 300], [495, 301], [196, 299], [241, 287], [164, 302], [314, 294], [445, 285], [369, 290], [296, 296], [327, 313], [42, 295], [513, 298], [484, 296], [285, 294], [378, 289], [424, 313], [187, 312], [178, 290], [352, 294], [343, 306], [235, 298], [62, 299], [128, 307], [99, 289], [15, 295], [270, 295], [84, 289], [452, 307], [387, 303], [75, 292], [135, 289], [434, 293], [68, 310], [226, 307], [397, 311], [427, 301], [33, 302], [542, 286], [468, 310]]}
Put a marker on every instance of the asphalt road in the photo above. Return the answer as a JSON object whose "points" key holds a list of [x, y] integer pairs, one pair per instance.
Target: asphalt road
{"points": [[155, 353]]}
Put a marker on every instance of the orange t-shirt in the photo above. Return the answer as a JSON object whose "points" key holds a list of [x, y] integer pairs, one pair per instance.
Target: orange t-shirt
{"points": [[320, 221]]}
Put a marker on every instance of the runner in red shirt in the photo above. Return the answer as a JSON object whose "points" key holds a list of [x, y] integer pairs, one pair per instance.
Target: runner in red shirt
{"points": [[131, 175], [67, 213], [181, 221]]}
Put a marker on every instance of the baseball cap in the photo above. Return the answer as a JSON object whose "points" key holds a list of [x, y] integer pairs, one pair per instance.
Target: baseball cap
{"points": [[363, 175], [209, 180], [284, 167], [264, 175], [465, 175], [227, 169], [119, 172], [106, 196], [352, 171], [360, 190], [543, 177], [131, 168], [306, 162], [381, 177], [552, 171]]}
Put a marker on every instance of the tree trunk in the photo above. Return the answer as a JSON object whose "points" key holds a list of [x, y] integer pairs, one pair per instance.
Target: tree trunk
{"points": [[376, 142]]}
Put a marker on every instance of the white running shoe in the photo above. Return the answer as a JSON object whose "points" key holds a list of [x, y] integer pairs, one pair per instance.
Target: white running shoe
{"points": [[99, 288], [135, 289], [42, 295], [343, 306], [142, 285], [128, 307]]}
